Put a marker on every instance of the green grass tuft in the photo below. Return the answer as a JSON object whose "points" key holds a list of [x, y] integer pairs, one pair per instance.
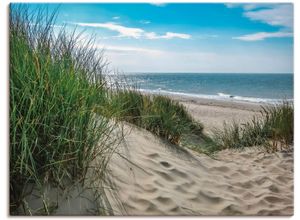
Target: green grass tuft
{"points": [[159, 114], [62, 111], [167, 118], [273, 128], [55, 87]]}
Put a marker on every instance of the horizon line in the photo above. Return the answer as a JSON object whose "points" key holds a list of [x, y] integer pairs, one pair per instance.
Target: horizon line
{"points": [[210, 72]]}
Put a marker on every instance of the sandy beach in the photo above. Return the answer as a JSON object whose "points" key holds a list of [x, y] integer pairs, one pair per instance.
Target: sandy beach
{"points": [[152, 177], [213, 113]]}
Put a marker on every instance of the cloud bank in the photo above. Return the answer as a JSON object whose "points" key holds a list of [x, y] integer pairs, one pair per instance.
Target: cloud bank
{"points": [[263, 35], [134, 32], [277, 15]]}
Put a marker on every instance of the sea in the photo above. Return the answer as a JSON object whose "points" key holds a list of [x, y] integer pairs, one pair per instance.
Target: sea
{"points": [[258, 88]]}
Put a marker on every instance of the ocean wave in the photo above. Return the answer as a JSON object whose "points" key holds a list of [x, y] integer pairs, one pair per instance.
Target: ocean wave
{"points": [[219, 96], [225, 95]]}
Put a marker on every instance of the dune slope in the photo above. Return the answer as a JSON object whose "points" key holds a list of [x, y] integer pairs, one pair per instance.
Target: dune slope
{"points": [[150, 177]]}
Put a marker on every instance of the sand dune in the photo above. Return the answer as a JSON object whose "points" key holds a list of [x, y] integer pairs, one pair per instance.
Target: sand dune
{"points": [[150, 177]]}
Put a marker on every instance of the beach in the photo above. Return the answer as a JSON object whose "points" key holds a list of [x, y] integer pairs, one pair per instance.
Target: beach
{"points": [[152, 177], [213, 113]]}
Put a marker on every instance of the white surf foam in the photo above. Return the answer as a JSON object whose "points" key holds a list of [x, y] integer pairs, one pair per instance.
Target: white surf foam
{"points": [[219, 96]]}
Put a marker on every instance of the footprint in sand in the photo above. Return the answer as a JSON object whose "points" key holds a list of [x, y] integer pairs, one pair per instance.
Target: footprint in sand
{"points": [[165, 176], [178, 173], [165, 164], [153, 155]]}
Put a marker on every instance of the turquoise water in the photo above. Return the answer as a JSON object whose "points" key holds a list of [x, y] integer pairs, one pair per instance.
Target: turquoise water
{"points": [[244, 87]]}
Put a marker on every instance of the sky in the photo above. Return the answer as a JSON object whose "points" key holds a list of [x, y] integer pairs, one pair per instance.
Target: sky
{"points": [[192, 37]]}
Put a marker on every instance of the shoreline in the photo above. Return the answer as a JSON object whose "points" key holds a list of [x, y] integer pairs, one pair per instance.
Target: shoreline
{"points": [[210, 101], [213, 113], [252, 106], [222, 97]]}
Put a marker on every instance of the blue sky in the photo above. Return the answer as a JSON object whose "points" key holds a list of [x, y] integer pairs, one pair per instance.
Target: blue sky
{"points": [[234, 38]]}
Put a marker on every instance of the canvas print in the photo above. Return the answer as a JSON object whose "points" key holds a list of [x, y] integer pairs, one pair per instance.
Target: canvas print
{"points": [[151, 109]]}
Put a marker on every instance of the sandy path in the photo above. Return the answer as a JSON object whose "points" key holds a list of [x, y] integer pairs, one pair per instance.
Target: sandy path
{"points": [[158, 179]]}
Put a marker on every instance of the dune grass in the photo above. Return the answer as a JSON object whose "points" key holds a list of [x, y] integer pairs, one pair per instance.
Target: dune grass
{"points": [[168, 118], [62, 112], [273, 129], [156, 113], [55, 87]]}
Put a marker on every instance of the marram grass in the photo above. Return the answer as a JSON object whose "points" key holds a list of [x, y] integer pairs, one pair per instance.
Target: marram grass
{"points": [[62, 112], [159, 114], [55, 87], [273, 129]]}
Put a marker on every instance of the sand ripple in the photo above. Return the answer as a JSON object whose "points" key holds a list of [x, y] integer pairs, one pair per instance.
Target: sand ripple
{"points": [[159, 180]]}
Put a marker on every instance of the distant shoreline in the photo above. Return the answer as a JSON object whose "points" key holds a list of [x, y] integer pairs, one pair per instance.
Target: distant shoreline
{"points": [[245, 88], [125, 73], [221, 97], [213, 113]]}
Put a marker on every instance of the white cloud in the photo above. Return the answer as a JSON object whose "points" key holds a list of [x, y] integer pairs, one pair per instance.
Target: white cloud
{"points": [[272, 14], [263, 35], [168, 35], [248, 6], [117, 48], [145, 22], [116, 17], [134, 32], [123, 31], [206, 36], [278, 15], [158, 4], [231, 5]]}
